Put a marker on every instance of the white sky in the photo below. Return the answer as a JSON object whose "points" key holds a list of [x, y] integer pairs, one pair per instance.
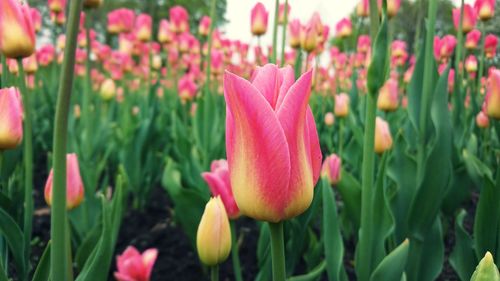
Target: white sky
{"points": [[331, 11]]}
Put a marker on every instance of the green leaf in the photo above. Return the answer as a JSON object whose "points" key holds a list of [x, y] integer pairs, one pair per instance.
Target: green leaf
{"points": [[334, 248], [393, 265], [313, 275], [88, 245], [14, 238], [487, 219], [350, 191], [463, 258], [42, 271]]}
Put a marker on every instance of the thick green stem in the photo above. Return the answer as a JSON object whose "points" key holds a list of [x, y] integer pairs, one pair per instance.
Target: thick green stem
{"points": [[88, 87], [364, 264], [278, 251], [341, 137], [28, 163], [275, 32], [58, 252], [235, 255], [213, 6], [214, 273], [283, 40]]}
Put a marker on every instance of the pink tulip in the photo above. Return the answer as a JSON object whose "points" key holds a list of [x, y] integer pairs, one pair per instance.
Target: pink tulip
{"points": [[485, 9], [134, 266], [121, 20], [217, 62], [57, 6], [11, 118], [383, 137], [398, 48], [364, 43], [294, 29], [444, 47], [258, 19], [344, 28], [272, 144], [472, 39], [469, 20], [471, 64], [46, 54], [30, 64], [281, 13], [363, 8], [329, 119], [482, 120], [331, 169], [179, 19], [165, 34], [187, 88], [388, 99], [17, 34], [204, 27], [74, 183], [341, 105], [36, 18], [492, 100], [451, 80], [143, 26], [392, 7], [220, 185], [309, 37], [490, 45]]}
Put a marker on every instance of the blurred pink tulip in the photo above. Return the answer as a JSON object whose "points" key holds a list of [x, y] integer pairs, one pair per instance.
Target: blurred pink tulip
{"points": [[272, 143], [187, 88], [258, 19], [143, 27], [388, 99], [492, 99], [344, 28], [472, 39], [485, 9], [36, 19], [11, 118], [490, 45], [363, 8], [482, 120], [204, 27], [134, 266], [281, 13], [471, 64], [331, 169], [57, 6], [383, 137], [17, 34], [121, 20], [341, 105], [220, 185], [364, 43], [444, 47], [469, 20], [294, 30], [179, 19]]}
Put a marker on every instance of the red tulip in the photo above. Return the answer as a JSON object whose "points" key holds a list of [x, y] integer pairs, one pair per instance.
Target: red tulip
{"points": [[272, 144], [472, 39], [11, 118], [258, 19], [220, 185], [134, 266], [492, 100], [17, 34], [469, 20], [331, 169], [74, 183], [485, 9], [179, 19], [490, 45]]}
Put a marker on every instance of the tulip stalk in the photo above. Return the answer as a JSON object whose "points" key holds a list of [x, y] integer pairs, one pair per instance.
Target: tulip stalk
{"points": [[458, 58], [214, 273], [481, 63], [58, 251], [278, 251], [213, 6], [283, 40], [275, 32], [28, 160], [235, 255], [88, 85]]}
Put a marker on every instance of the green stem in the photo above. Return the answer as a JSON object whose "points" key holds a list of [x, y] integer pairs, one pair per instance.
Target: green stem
{"points": [[283, 40], [88, 87], [58, 252], [213, 6], [481, 63], [364, 264], [235, 256], [341, 137], [214, 273], [458, 74], [278, 251], [28, 163], [275, 32]]}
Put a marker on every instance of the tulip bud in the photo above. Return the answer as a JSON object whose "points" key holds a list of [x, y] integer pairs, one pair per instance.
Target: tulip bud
{"points": [[383, 138], [344, 28], [294, 33], [469, 19], [179, 19], [309, 38], [341, 105], [485, 9], [331, 169], [388, 99], [486, 270], [482, 120], [17, 36], [108, 89], [186, 88], [492, 99], [363, 8], [132, 266], [281, 13], [258, 19], [204, 27], [472, 39], [11, 118], [74, 184], [213, 239], [57, 6], [490, 45], [143, 25], [329, 119], [471, 64]]}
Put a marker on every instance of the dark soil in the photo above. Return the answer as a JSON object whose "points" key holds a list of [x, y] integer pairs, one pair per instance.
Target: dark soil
{"points": [[155, 228]]}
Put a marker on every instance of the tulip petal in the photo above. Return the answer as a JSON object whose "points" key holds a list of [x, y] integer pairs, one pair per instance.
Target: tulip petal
{"points": [[257, 151], [267, 80], [292, 116]]}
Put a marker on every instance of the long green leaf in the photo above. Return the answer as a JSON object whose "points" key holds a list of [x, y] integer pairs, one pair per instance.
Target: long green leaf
{"points": [[334, 247], [463, 258], [42, 271], [393, 265], [14, 238]]}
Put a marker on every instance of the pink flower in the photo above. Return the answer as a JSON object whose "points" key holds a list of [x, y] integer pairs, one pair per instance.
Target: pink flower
{"points": [[121, 20], [344, 28], [341, 105], [388, 99], [11, 118], [398, 48], [363, 8], [492, 100], [187, 88], [490, 45], [281, 13], [364, 43], [258, 19], [331, 169], [383, 137], [443, 48], [36, 18], [204, 27], [294, 29], [472, 39], [272, 143], [482, 120], [134, 266], [179, 19], [469, 20], [220, 185], [392, 7], [74, 183], [485, 9], [17, 34], [471, 64], [143, 26], [57, 6]]}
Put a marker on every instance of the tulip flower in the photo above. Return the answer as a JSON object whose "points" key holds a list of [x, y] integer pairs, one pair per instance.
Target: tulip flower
{"points": [[121, 20], [388, 99], [309, 38], [485, 9], [341, 105], [331, 169], [363, 8], [471, 64], [281, 13], [486, 270], [143, 26], [482, 120], [398, 48], [74, 184], [294, 33], [490, 45], [134, 266], [204, 27], [383, 137], [392, 7], [220, 185], [36, 19], [444, 47], [30, 64], [271, 141], [492, 99], [469, 20], [329, 119], [108, 89], [344, 28], [472, 39], [213, 239], [165, 35], [217, 62], [187, 88], [11, 118], [17, 36], [179, 19], [258, 19], [364, 44], [57, 6]]}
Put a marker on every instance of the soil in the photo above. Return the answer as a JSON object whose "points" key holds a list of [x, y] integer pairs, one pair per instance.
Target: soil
{"points": [[177, 260]]}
